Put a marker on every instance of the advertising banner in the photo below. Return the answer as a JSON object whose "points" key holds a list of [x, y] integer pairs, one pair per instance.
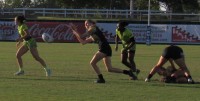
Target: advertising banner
{"points": [[59, 30], [189, 34], [8, 31], [160, 33]]}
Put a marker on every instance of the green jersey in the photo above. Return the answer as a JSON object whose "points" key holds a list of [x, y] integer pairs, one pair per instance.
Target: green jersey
{"points": [[21, 29], [125, 36]]}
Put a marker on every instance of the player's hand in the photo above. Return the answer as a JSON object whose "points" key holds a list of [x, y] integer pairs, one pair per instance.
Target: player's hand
{"points": [[18, 44], [124, 50]]}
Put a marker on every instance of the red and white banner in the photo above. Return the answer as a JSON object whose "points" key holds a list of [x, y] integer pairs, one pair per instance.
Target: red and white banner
{"points": [[160, 33], [59, 30]]}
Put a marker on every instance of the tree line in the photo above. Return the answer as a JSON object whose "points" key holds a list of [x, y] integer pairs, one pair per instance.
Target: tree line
{"points": [[177, 6]]}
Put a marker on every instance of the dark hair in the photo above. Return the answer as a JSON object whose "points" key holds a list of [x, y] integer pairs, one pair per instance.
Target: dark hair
{"points": [[123, 23], [91, 21], [21, 19]]}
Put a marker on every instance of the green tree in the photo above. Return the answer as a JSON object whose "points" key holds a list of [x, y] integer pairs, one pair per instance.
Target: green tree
{"points": [[26, 3]]}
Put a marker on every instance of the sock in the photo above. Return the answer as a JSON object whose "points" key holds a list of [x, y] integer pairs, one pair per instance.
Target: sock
{"points": [[189, 77], [21, 69], [100, 77], [45, 68], [125, 72], [149, 76]]}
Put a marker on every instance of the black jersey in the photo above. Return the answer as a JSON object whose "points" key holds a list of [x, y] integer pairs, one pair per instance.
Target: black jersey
{"points": [[173, 52], [99, 38]]}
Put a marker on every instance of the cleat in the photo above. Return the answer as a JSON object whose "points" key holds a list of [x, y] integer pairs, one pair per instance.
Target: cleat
{"points": [[147, 80], [48, 72], [19, 73], [133, 77], [100, 81], [190, 81], [137, 71]]}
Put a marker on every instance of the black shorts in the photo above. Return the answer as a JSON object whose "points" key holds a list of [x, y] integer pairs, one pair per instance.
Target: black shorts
{"points": [[173, 52], [106, 49]]}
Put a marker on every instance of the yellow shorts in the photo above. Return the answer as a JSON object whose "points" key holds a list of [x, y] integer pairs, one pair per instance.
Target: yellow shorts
{"points": [[30, 43], [133, 48]]}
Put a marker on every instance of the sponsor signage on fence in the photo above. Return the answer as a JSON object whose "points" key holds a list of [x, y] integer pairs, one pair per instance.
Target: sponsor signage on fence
{"points": [[59, 30], [160, 33], [8, 31]]}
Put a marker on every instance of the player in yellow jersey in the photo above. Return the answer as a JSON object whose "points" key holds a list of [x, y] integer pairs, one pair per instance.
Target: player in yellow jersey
{"points": [[28, 43], [129, 46]]}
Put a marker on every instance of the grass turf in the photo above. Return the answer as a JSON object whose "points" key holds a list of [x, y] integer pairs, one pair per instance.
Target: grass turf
{"points": [[72, 78]]}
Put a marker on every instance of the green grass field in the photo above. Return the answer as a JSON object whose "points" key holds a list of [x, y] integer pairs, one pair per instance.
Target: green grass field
{"points": [[72, 78]]}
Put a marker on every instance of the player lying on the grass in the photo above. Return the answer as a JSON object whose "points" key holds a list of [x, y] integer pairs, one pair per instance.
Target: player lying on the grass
{"points": [[172, 75], [172, 53], [129, 46], [104, 52], [28, 43]]}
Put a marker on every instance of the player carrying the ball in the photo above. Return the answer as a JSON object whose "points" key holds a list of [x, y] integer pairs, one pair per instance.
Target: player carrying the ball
{"points": [[29, 43], [94, 34]]}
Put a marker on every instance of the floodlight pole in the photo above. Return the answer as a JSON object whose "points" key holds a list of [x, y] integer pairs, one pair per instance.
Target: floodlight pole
{"points": [[131, 8], [148, 34]]}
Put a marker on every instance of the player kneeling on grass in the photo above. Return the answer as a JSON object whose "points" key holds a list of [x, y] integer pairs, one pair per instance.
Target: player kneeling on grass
{"points": [[172, 75], [29, 43], [172, 53], [105, 52]]}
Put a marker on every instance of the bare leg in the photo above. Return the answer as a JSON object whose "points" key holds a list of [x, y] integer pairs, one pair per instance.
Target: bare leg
{"points": [[181, 63], [124, 57], [96, 58], [110, 68], [35, 55], [131, 56], [160, 63], [21, 51], [107, 62]]}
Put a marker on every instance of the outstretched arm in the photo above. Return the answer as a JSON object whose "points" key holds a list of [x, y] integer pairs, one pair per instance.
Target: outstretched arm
{"points": [[83, 42]]}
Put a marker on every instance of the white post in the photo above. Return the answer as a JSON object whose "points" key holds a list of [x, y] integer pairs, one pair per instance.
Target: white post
{"points": [[131, 8], [149, 12], [148, 34]]}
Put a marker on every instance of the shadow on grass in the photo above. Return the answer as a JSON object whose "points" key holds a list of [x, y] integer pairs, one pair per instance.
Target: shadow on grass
{"points": [[52, 78], [185, 85]]}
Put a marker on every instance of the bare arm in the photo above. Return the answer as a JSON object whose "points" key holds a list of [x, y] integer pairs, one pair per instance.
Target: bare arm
{"points": [[83, 42], [20, 39], [79, 37]]}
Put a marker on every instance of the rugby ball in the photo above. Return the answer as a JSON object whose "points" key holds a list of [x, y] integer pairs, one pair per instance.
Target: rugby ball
{"points": [[47, 38]]}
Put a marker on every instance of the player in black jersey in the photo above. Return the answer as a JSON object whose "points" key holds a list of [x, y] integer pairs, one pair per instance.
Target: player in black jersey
{"points": [[173, 54], [93, 34]]}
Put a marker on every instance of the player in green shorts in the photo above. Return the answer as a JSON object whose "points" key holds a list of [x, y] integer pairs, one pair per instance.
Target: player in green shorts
{"points": [[129, 46], [29, 43]]}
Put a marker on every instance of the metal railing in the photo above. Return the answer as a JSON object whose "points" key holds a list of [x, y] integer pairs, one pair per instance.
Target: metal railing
{"points": [[138, 15]]}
